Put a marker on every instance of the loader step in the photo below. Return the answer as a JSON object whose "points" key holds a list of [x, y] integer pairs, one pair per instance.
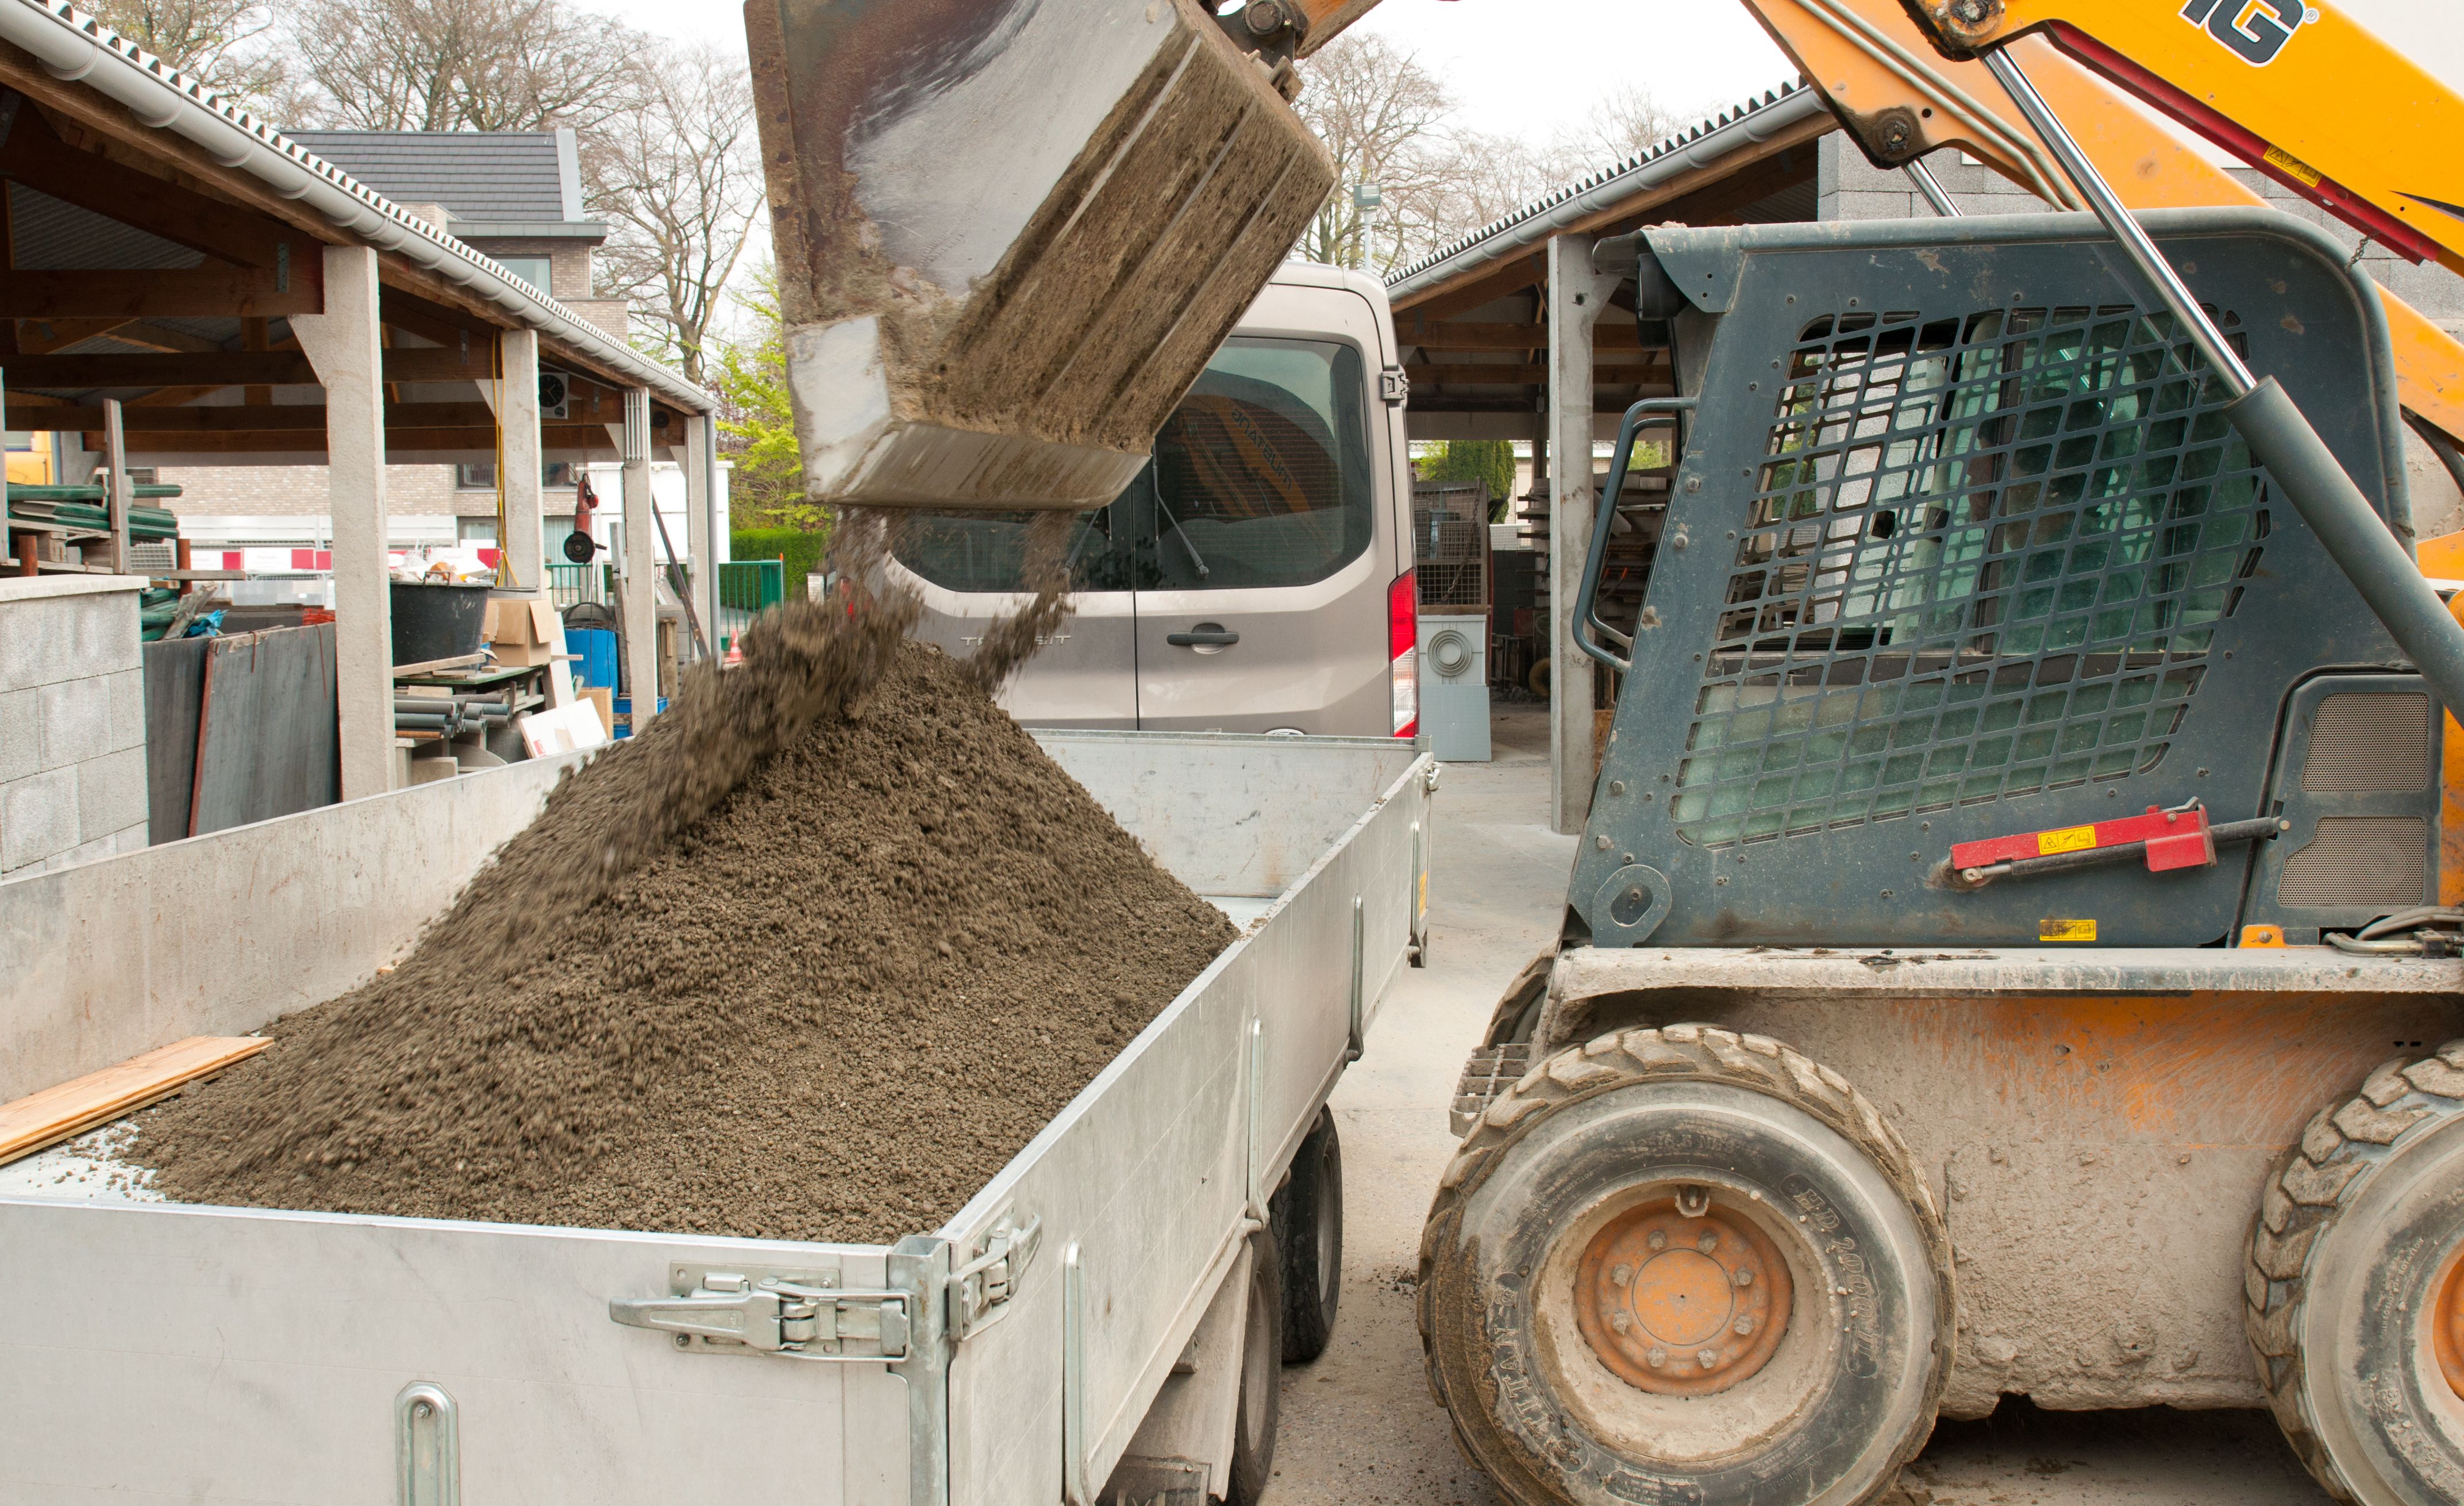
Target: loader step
{"points": [[1488, 1073]]}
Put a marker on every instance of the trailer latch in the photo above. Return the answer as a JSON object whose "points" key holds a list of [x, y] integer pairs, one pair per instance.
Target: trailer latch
{"points": [[800, 1315], [980, 1290], [2165, 840]]}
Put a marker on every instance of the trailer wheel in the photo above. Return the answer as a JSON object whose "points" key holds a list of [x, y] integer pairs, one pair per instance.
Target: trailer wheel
{"points": [[1684, 1264], [2356, 1287], [1262, 1379], [1308, 1215]]}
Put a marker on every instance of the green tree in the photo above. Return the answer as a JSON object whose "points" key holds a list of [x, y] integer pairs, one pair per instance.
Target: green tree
{"points": [[1490, 460], [757, 425]]}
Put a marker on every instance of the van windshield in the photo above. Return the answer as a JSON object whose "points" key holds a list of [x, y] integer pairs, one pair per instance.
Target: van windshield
{"points": [[1261, 478]]}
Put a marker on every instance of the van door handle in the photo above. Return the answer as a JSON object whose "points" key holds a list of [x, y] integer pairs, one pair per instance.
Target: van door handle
{"points": [[1203, 638]]}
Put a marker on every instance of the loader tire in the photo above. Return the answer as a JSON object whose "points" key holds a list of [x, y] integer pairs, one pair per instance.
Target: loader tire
{"points": [[1307, 1217], [2355, 1287], [1684, 1264], [1262, 1375]]}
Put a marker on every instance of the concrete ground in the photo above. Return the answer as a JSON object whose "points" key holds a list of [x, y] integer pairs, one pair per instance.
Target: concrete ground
{"points": [[1358, 1426]]}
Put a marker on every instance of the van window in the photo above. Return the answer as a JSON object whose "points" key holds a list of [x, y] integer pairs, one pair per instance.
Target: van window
{"points": [[987, 551], [1261, 476]]}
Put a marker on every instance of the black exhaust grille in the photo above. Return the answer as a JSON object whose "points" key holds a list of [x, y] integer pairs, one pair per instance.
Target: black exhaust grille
{"points": [[2366, 742], [1983, 560]]}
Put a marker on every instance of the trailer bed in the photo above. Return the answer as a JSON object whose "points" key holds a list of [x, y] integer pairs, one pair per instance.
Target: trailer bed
{"points": [[266, 1356]]}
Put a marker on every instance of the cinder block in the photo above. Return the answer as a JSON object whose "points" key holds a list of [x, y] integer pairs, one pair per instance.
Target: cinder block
{"points": [[31, 633], [128, 839], [1855, 205], [20, 734], [38, 818], [111, 792], [105, 634], [126, 693], [83, 853], [75, 721]]}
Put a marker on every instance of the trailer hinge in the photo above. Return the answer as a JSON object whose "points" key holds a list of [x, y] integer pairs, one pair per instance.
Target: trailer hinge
{"points": [[1395, 386], [981, 1289], [798, 1315]]}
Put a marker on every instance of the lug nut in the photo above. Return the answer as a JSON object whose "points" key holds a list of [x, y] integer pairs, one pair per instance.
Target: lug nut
{"points": [[1657, 1357], [1620, 1321], [1709, 1241], [1622, 1275], [1659, 1239], [1745, 1276], [1706, 1358], [1744, 1326]]}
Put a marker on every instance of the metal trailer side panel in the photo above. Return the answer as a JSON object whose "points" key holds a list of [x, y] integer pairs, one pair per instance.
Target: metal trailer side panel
{"points": [[1232, 813], [1150, 1172], [216, 934], [219, 1354]]}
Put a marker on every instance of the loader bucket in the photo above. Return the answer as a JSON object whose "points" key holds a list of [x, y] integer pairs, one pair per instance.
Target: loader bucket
{"points": [[1011, 233]]}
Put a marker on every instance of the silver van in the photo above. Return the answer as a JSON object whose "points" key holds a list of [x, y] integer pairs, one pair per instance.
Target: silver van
{"points": [[1257, 575]]}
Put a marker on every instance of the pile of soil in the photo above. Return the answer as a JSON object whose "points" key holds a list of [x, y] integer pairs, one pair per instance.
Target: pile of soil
{"points": [[817, 978]]}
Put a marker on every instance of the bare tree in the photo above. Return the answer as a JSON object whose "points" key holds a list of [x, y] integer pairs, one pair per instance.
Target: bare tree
{"points": [[447, 65], [231, 45], [1385, 118], [1624, 123], [679, 179]]}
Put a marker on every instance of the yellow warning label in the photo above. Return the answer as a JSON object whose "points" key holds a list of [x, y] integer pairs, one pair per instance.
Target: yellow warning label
{"points": [[2285, 162], [2069, 839], [1425, 893], [2066, 930]]}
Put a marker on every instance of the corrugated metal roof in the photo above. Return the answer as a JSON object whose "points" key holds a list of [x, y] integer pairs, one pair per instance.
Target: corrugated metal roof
{"points": [[485, 176], [1698, 145], [47, 234]]}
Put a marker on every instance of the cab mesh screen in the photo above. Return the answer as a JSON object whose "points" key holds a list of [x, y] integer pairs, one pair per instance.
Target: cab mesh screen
{"points": [[1983, 558]]}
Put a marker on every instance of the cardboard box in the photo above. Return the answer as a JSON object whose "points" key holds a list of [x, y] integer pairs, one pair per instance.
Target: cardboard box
{"points": [[603, 698], [523, 633]]}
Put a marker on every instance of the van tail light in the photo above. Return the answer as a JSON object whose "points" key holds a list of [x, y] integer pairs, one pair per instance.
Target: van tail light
{"points": [[1403, 650]]}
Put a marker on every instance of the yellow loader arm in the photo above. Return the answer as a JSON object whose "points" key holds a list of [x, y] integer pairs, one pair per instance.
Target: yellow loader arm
{"points": [[2301, 90], [1896, 93]]}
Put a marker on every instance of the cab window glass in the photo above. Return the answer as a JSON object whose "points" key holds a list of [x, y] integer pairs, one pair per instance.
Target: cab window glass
{"points": [[987, 551], [1261, 476]]}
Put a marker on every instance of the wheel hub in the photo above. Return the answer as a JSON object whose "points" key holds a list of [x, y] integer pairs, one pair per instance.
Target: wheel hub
{"points": [[1680, 1298], [2446, 1318]]}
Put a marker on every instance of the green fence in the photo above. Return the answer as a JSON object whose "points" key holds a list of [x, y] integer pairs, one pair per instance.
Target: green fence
{"points": [[746, 590], [569, 584]]}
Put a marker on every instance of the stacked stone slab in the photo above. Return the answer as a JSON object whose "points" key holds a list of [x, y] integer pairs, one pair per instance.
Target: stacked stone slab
{"points": [[72, 723]]}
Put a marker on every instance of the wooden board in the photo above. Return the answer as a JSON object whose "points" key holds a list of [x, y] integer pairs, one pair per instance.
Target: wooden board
{"points": [[267, 743], [53, 1114], [175, 692]]}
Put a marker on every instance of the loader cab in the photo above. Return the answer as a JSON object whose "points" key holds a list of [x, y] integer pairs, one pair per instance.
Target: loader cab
{"points": [[1242, 583]]}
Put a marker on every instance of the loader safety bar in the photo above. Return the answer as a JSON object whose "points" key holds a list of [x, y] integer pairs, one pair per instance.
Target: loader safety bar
{"points": [[1653, 411], [2163, 839]]}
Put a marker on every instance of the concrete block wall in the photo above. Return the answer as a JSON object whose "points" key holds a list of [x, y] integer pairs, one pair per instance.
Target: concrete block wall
{"points": [[72, 723], [1849, 187]]}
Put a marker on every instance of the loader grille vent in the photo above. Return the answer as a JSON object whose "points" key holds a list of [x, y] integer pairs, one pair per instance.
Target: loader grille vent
{"points": [[2358, 860], [1984, 558], [2360, 743]]}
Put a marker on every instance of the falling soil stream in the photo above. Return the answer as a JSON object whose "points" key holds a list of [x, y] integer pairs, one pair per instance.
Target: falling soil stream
{"points": [[810, 959]]}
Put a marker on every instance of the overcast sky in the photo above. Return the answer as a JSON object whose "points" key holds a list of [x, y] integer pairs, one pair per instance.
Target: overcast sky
{"points": [[1523, 67]]}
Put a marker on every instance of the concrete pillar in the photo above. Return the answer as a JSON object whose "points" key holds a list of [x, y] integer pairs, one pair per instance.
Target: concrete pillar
{"points": [[518, 414], [346, 347], [1577, 295], [701, 523], [641, 561]]}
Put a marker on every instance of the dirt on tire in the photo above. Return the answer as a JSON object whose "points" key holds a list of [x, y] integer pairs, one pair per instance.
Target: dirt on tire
{"points": [[817, 978]]}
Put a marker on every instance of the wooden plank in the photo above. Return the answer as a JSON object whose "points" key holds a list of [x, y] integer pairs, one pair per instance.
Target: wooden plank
{"points": [[196, 292], [431, 666], [214, 370], [175, 693], [1438, 335], [45, 1119], [267, 743]]}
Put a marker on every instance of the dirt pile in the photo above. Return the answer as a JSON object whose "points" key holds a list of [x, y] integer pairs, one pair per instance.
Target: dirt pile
{"points": [[878, 944]]}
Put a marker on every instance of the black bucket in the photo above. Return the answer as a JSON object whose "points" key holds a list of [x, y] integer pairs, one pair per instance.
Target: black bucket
{"points": [[437, 622]]}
